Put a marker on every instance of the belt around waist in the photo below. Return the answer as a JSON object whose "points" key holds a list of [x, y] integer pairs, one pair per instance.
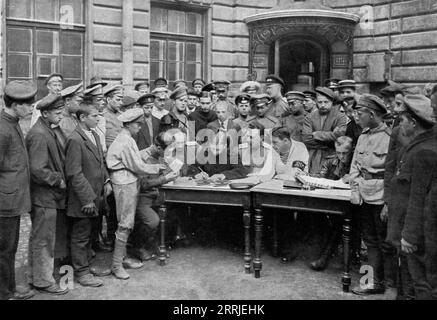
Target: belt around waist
{"points": [[372, 176]]}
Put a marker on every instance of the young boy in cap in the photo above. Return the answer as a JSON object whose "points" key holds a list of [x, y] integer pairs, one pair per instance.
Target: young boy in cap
{"points": [[161, 100], [14, 175], [48, 184], [125, 166], [294, 117], [274, 88], [150, 126], [222, 88], [203, 115], [412, 218], [197, 85], [88, 184], [243, 107], [177, 117], [54, 84], [367, 190], [310, 101]]}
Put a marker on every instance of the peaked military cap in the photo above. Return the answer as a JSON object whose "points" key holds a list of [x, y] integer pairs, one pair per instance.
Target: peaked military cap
{"points": [[160, 90], [392, 88], [295, 94], [96, 80], [209, 87], [250, 85], [259, 100], [310, 94], [198, 81], [20, 90], [96, 90], [331, 83], [274, 79], [324, 91], [420, 106], [160, 82], [50, 102], [347, 84], [53, 75], [242, 98], [117, 89], [131, 115], [372, 102], [140, 84], [69, 91], [221, 83], [179, 83], [178, 93], [146, 98]]}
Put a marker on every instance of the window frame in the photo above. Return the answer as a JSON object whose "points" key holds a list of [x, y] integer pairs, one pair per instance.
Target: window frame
{"points": [[203, 10]]}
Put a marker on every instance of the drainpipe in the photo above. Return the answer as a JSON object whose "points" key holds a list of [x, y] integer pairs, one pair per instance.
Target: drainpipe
{"points": [[128, 43]]}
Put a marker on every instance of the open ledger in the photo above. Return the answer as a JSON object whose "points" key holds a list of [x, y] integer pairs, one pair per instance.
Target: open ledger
{"points": [[322, 183]]}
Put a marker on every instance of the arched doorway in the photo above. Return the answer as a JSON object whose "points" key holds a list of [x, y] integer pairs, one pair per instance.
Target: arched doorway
{"points": [[303, 63]]}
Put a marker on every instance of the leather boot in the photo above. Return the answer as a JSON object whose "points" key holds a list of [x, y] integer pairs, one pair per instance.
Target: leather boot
{"points": [[117, 260]]}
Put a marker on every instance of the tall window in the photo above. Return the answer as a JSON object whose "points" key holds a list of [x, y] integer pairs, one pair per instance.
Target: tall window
{"points": [[43, 37], [176, 44]]}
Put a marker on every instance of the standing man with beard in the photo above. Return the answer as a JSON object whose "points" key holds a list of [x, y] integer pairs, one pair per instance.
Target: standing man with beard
{"points": [[203, 115], [294, 117], [274, 90], [412, 218], [14, 176], [48, 191], [321, 128]]}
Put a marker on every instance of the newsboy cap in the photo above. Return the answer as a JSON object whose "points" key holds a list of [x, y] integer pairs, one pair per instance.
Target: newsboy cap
{"points": [[146, 98], [131, 115], [50, 102], [54, 75], [295, 94], [71, 90], [270, 79], [242, 98], [372, 102], [20, 90], [420, 106], [324, 91], [178, 93]]}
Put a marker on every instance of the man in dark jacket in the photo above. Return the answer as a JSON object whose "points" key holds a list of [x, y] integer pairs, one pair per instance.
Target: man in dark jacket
{"points": [[150, 127], [87, 179], [14, 181], [45, 147], [203, 115], [412, 224]]}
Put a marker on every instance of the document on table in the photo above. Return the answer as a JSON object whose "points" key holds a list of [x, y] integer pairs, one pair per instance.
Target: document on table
{"points": [[322, 182]]}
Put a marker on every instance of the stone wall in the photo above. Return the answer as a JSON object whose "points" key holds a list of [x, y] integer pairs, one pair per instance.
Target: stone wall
{"points": [[406, 28]]}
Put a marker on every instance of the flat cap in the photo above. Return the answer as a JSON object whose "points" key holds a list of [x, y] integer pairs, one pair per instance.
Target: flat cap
{"points": [[96, 90], [327, 92], [392, 88], [179, 83], [96, 80], [347, 84], [178, 93], [420, 106], [146, 98], [372, 102], [270, 79], [116, 89], [130, 97], [69, 91], [50, 102], [310, 94], [332, 83], [160, 90], [250, 86], [242, 98], [209, 87], [20, 90], [295, 94], [160, 82], [131, 115], [54, 75], [198, 81], [259, 100], [140, 84]]}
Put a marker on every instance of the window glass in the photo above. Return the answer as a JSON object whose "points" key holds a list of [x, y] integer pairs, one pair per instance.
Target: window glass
{"points": [[19, 40], [72, 67], [20, 9], [45, 10], [19, 66], [71, 42]]}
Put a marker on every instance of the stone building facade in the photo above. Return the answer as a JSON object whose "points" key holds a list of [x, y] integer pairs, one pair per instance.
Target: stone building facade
{"points": [[305, 42]]}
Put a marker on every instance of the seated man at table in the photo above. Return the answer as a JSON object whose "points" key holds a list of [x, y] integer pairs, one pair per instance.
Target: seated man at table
{"points": [[334, 167], [146, 218]]}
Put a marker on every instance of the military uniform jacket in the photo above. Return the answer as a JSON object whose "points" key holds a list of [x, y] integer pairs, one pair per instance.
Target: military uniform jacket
{"points": [[353, 131], [294, 124], [369, 160], [14, 169], [46, 161], [170, 121], [277, 108], [269, 122], [86, 172], [112, 126], [413, 200], [333, 168]]}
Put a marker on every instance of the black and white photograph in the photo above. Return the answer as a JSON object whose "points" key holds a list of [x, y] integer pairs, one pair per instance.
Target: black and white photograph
{"points": [[218, 155]]}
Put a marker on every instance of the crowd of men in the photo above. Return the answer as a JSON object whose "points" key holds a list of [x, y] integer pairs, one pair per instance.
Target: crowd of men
{"points": [[102, 150]]}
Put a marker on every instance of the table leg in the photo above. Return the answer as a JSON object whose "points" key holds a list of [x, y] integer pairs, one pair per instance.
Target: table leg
{"points": [[346, 278], [257, 263], [246, 224], [275, 235], [162, 247]]}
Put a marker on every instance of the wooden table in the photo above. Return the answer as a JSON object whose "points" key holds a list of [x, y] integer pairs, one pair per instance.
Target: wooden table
{"points": [[189, 193], [272, 195]]}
